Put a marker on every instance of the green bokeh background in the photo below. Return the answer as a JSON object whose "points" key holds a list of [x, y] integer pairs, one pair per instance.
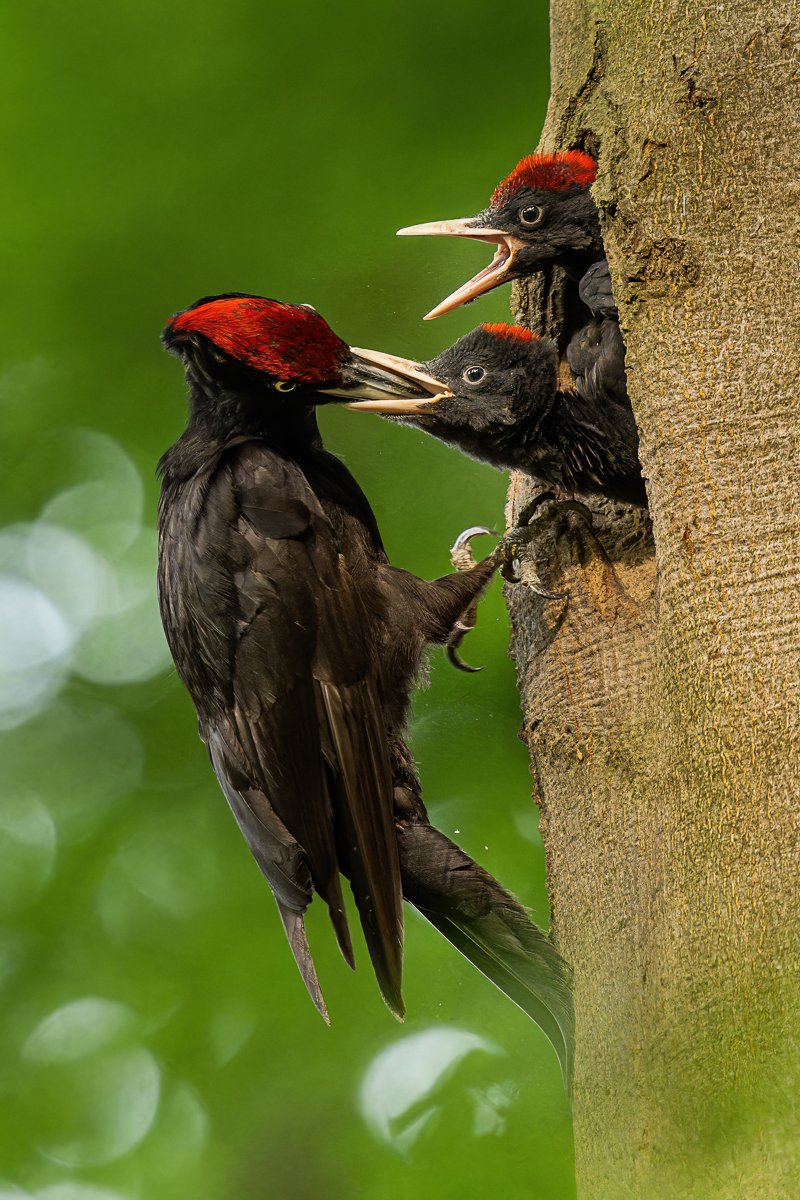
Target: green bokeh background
{"points": [[152, 154]]}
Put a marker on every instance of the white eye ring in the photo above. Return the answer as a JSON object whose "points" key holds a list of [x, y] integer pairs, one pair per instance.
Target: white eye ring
{"points": [[215, 354], [280, 386], [534, 220], [476, 374]]}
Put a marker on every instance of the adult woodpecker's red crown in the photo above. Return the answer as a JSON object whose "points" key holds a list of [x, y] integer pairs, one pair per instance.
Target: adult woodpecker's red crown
{"points": [[548, 172], [289, 341], [516, 333]]}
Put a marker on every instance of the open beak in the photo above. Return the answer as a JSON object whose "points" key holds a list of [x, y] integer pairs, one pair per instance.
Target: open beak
{"points": [[500, 269], [383, 383]]}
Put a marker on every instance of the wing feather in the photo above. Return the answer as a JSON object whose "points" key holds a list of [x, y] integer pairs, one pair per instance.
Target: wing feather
{"points": [[367, 839], [273, 642]]}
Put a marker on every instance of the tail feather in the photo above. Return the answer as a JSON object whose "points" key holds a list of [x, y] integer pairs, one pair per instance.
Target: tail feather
{"points": [[366, 843], [534, 976], [481, 919], [296, 933], [331, 893]]}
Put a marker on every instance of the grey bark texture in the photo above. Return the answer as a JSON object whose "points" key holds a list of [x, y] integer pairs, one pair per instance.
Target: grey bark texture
{"points": [[661, 699]]}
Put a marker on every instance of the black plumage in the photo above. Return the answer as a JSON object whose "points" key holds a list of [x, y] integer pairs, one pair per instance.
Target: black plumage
{"points": [[541, 215], [296, 638], [482, 920], [516, 412], [502, 402]]}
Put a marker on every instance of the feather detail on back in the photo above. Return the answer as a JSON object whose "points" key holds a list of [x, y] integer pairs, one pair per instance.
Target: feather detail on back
{"points": [[297, 739]]}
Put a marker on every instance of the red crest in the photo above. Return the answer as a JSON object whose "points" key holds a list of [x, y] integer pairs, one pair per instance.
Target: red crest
{"points": [[512, 333], [548, 172], [287, 341]]}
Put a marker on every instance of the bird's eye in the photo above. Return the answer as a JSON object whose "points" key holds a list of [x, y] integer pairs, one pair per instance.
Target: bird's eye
{"points": [[473, 374], [280, 386], [215, 354], [532, 215]]}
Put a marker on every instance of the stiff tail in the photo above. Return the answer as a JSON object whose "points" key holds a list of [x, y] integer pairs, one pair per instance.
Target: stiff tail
{"points": [[296, 933], [481, 919], [366, 845], [521, 961]]}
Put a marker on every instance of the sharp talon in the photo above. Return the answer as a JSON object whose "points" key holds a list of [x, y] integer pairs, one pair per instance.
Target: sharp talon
{"points": [[462, 559], [463, 538], [527, 511], [540, 591], [458, 663], [459, 632], [461, 551], [510, 551], [530, 507], [583, 512], [513, 544], [507, 572]]}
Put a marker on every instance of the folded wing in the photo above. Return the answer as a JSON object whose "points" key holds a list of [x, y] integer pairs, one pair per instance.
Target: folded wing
{"points": [[277, 652]]}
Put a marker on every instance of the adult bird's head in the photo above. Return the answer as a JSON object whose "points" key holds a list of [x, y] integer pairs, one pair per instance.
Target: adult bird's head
{"points": [[253, 361], [496, 385], [542, 213]]}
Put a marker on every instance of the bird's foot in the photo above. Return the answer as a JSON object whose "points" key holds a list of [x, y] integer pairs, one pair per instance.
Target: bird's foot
{"points": [[461, 555], [544, 508], [462, 558]]}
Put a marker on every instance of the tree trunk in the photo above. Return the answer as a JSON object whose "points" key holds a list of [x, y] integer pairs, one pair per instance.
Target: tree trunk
{"points": [[661, 699]]}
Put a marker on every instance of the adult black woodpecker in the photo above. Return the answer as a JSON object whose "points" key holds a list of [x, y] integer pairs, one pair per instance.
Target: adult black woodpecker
{"points": [[299, 644], [541, 214], [501, 402]]}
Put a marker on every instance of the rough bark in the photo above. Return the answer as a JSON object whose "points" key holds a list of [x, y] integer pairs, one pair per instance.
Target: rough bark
{"points": [[661, 699]]}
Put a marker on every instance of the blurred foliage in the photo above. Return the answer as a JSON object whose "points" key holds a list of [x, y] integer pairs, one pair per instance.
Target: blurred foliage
{"points": [[156, 1039]]}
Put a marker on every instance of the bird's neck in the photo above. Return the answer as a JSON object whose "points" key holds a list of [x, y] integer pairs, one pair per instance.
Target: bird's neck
{"points": [[291, 429], [226, 415]]}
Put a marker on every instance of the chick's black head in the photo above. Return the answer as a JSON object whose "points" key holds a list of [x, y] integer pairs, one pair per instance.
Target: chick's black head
{"points": [[546, 203], [542, 213], [503, 379]]}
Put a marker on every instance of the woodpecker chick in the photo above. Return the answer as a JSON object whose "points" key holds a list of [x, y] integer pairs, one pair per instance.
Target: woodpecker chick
{"points": [[541, 214], [500, 402]]}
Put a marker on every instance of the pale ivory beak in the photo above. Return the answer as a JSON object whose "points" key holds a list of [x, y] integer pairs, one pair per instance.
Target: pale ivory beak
{"points": [[492, 276], [405, 368]]}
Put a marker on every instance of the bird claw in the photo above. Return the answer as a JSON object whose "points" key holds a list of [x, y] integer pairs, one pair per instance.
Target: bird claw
{"points": [[461, 555], [462, 558], [451, 649], [515, 541]]}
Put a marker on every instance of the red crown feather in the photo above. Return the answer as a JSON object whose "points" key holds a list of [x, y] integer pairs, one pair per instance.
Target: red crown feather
{"points": [[515, 333], [288, 341], [550, 172]]}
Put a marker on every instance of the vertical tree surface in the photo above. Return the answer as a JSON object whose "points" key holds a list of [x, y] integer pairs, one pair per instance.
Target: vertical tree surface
{"points": [[661, 698]]}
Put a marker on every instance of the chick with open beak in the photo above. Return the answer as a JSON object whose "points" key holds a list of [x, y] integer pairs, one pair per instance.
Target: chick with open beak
{"points": [[542, 213]]}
